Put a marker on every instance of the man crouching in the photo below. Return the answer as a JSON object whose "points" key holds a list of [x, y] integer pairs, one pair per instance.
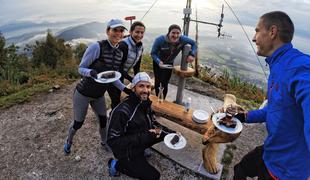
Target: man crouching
{"points": [[132, 129]]}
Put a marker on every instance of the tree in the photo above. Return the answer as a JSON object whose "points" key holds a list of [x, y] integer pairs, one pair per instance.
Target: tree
{"points": [[79, 51], [51, 52], [2, 53]]}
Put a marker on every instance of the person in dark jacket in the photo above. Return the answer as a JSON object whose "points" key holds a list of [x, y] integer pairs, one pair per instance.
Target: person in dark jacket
{"points": [[132, 49], [285, 153], [132, 129], [164, 51], [98, 57]]}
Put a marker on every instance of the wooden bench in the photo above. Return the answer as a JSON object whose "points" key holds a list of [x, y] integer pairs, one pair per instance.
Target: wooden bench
{"points": [[176, 113]]}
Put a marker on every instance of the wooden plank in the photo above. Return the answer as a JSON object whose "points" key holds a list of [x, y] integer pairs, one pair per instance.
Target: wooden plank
{"points": [[177, 114]]}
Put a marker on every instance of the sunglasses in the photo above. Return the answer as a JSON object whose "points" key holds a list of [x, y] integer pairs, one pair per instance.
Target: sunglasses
{"points": [[118, 30]]}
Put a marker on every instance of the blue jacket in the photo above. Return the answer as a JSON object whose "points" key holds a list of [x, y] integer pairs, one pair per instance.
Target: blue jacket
{"points": [[164, 51], [287, 115]]}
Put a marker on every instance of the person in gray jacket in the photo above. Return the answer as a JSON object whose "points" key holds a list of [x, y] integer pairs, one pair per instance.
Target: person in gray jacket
{"points": [[132, 49]]}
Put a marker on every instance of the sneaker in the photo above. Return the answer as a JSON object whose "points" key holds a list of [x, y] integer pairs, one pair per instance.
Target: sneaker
{"points": [[112, 170], [67, 148], [147, 153]]}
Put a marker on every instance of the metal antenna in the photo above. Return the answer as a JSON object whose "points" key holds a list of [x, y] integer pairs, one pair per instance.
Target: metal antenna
{"points": [[219, 25]]}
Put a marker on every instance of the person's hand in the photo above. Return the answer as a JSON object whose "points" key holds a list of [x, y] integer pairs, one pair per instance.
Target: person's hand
{"points": [[93, 73], [156, 131], [241, 116], [190, 58], [127, 91], [161, 65]]}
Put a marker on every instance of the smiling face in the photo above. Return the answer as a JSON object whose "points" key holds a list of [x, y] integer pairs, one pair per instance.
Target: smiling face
{"points": [[263, 39], [115, 35], [174, 35], [138, 33], [143, 90]]}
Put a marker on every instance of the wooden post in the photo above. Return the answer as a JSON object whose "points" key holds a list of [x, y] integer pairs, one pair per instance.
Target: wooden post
{"points": [[214, 136]]}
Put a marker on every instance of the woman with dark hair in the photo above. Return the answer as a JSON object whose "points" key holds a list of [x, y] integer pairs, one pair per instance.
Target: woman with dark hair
{"points": [[164, 51]]}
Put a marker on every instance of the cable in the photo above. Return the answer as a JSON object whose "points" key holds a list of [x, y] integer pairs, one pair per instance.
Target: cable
{"points": [[148, 10], [247, 38]]}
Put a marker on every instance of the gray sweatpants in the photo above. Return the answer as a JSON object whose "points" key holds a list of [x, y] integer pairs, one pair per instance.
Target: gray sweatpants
{"points": [[80, 107]]}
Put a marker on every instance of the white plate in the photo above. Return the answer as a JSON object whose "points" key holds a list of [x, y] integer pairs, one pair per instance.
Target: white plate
{"points": [[181, 144], [167, 66], [109, 80], [200, 116], [216, 117]]}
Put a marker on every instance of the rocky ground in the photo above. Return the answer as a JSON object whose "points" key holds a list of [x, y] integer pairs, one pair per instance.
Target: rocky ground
{"points": [[32, 136]]}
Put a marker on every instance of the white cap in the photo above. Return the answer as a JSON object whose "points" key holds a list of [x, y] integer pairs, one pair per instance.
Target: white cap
{"points": [[141, 76], [114, 23]]}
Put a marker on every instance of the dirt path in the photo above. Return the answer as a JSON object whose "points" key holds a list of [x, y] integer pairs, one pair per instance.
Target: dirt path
{"points": [[32, 136]]}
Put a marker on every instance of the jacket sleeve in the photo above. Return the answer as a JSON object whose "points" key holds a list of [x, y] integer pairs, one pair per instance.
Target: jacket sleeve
{"points": [[257, 116], [188, 40], [300, 90], [91, 54], [156, 48], [117, 139]]}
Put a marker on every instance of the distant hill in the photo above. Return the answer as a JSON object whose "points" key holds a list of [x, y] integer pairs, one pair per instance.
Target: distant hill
{"points": [[88, 30]]}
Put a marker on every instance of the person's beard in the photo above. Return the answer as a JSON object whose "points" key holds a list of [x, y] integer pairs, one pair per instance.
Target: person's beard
{"points": [[144, 96]]}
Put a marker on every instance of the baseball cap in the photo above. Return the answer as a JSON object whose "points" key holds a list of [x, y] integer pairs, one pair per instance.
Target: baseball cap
{"points": [[114, 23], [141, 76]]}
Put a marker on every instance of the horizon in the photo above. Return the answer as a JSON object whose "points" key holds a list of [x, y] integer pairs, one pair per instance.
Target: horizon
{"points": [[62, 16], [247, 11]]}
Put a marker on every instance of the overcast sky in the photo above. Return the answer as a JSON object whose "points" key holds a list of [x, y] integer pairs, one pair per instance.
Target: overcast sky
{"points": [[164, 13]]}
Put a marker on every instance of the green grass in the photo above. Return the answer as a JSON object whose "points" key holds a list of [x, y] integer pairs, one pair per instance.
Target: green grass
{"points": [[23, 95]]}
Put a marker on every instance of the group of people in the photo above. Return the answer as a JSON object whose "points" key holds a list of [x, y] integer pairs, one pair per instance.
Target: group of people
{"points": [[131, 127]]}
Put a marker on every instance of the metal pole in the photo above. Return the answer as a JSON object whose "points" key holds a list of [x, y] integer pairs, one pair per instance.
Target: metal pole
{"points": [[187, 12], [181, 84]]}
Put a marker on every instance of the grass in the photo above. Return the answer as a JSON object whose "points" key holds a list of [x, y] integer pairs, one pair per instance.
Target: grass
{"points": [[25, 94], [248, 95]]}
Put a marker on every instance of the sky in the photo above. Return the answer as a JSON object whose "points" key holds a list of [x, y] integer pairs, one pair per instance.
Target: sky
{"points": [[167, 12], [163, 14]]}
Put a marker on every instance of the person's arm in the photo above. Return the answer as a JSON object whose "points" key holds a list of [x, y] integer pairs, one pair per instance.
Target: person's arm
{"points": [[190, 41], [136, 68], [257, 116], [300, 89], [90, 55], [156, 48], [124, 48]]}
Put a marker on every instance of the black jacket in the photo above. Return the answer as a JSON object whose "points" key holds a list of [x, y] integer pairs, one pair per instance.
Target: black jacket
{"points": [[128, 132]]}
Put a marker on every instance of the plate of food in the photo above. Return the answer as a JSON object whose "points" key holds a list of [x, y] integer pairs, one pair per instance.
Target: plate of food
{"points": [[108, 76], [167, 66], [225, 124], [200, 116], [175, 141]]}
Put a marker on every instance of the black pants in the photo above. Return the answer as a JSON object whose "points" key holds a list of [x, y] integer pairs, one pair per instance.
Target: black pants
{"points": [[162, 76], [252, 165], [137, 168], [115, 95]]}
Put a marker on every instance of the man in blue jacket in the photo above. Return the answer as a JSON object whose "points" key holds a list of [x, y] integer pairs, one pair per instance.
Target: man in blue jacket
{"points": [[285, 154], [164, 51]]}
